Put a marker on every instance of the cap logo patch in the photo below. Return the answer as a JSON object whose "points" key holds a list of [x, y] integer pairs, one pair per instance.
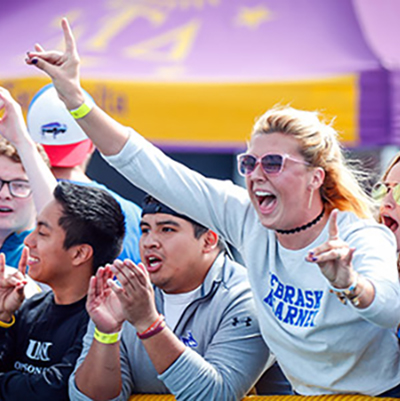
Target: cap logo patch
{"points": [[53, 129]]}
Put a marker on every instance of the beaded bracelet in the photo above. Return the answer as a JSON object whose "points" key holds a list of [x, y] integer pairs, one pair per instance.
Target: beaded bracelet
{"points": [[7, 325], [106, 338], [347, 290], [157, 326]]}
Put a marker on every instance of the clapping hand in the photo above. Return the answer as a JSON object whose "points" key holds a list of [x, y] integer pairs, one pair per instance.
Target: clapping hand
{"points": [[135, 293], [103, 304], [12, 287]]}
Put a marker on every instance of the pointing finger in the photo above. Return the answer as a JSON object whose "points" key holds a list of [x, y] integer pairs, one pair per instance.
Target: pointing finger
{"points": [[39, 48], [2, 265], [70, 46], [23, 261], [333, 226]]}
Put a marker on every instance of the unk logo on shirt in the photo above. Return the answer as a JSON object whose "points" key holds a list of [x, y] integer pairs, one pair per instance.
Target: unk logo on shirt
{"points": [[38, 350], [292, 305], [189, 340]]}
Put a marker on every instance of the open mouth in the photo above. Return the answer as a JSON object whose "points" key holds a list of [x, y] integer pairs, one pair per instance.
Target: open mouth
{"points": [[389, 222], [153, 263], [32, 260], [5, 209], [265, 199]]}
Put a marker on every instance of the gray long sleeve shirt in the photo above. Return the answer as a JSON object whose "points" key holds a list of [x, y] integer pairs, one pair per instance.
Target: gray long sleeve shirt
{"points": [[322, 346], [225, 353]]}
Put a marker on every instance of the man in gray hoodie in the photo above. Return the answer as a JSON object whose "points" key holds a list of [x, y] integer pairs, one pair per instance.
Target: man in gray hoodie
{"points": [[208, 347]]}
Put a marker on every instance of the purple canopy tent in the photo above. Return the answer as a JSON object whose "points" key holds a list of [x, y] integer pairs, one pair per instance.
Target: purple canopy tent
{"points": [[196, 73]]}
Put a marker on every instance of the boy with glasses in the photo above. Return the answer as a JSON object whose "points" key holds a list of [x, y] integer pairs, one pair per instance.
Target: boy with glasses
{"points": [[17, 208]]}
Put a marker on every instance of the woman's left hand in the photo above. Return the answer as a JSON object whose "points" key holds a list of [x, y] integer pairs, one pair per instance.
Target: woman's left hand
{"points": [[334, 257]]}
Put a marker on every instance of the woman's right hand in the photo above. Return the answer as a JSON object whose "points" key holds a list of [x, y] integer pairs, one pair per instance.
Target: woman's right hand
{"points": [[62, 67]]}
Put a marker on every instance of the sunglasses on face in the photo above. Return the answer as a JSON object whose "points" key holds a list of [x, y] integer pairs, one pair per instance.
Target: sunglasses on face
{"points": [[270, 163], [380, 190], [17, 188]]}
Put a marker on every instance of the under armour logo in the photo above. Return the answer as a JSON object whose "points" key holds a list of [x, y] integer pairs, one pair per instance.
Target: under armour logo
{"points": [[246, 321], [189, 341], [38, 350]]}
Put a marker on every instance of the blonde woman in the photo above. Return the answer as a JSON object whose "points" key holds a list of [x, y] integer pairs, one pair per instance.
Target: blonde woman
{"points": [[304, 228]]}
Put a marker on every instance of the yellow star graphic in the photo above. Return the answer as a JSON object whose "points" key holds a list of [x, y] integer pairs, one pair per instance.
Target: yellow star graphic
{"points": [[252, 17]]}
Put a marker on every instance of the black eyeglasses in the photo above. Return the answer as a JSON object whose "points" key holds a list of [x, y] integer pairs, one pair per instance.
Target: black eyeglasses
{"points": [[270, 163], [17, 188], [380, 190]]}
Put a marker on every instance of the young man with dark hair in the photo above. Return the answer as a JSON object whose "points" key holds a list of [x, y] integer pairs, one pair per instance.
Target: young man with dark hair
{"points": [[41, 338], [208, 347], [78, 229]]}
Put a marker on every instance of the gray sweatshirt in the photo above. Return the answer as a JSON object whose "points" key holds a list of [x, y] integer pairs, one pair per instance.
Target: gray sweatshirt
{"points": [[225, 353], [323, 346]]}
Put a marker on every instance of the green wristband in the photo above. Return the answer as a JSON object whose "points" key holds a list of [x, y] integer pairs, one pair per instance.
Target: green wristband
{"points": [[81, 111], [106, 338]]}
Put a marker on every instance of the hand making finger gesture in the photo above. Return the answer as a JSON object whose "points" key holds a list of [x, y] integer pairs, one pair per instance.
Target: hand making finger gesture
{"points": [[136, 293], [102, 303], [12, 124], [334, 257], [12, 287], [61, 67]]}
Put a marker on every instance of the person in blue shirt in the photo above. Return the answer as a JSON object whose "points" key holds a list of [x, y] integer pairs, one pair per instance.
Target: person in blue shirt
{"points": [[70, 151], [17, 205]]}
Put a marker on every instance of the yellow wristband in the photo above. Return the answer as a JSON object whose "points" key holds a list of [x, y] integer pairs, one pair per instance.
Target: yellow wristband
{"points": [[7, 325], [105, 338], [81, 111]]}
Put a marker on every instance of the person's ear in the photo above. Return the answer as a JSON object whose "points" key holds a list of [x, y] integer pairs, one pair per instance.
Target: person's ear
{"points": [[317, 178], [81, 254], [210, 239]]}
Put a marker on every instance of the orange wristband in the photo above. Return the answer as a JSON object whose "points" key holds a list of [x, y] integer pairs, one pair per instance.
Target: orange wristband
{"points": [[153, 329]]}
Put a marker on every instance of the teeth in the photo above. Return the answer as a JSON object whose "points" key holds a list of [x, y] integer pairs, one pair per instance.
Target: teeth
{"points": [[263, 193], [153, 260], [32, 259]]}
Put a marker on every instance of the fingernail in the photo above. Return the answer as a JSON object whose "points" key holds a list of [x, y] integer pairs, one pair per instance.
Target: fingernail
{"points": [[34, 61], [314, 259], [311, 253]]}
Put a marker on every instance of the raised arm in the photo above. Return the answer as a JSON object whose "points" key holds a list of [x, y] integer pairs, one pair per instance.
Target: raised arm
{"points": [[222, 207], [63, 68], [13, 128]]}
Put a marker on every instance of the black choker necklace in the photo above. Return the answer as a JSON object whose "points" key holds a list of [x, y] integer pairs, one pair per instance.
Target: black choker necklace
{"points": [[302, 228]]}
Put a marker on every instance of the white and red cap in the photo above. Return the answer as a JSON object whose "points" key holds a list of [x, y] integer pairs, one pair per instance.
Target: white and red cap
{"points": [[52, 125]]}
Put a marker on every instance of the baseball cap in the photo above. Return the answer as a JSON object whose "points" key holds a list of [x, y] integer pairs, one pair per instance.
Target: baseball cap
{"points": [[151, 205], [51, 124]]}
